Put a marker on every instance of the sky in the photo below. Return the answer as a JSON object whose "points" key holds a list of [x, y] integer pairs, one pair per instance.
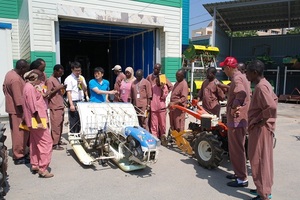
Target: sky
{"points": [[199, 17]]}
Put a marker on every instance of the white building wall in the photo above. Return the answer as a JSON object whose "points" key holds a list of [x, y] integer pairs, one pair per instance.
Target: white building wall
{"points": [[163, 43], [45, 12], [24, 38], [14, 37], [5, 62], [42, 15]]}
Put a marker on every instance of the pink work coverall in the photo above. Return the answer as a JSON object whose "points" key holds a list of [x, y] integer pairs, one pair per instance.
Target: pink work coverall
{"points": [[210, 95], [158, 110], [141, 95], [238, 96], [13, 90], [260, 144], [177, 117], [40, 139]]}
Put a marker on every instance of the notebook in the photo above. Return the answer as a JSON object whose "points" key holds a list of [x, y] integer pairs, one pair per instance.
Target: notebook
{"points": [[34, 124], [163, 78]]}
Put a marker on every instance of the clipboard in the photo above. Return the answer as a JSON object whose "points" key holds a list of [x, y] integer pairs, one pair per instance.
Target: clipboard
{"points": [[34, 124], [23, 126], [163, 78]]}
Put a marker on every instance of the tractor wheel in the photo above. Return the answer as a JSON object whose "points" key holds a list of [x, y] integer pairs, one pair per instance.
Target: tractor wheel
{"points": [[208, 150]]}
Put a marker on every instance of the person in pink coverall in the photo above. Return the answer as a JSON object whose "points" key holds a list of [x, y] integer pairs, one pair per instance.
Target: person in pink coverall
{"points": [[13, 85], [210, 94], [140, 97], [262, 117], [125, 88], [158, 111], [237, 121], [178, 97], [35, 107], [120, 77]]}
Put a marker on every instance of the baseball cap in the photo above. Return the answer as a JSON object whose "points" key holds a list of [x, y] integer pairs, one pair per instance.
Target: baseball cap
{"points": [[230, 62], [117, 67]]}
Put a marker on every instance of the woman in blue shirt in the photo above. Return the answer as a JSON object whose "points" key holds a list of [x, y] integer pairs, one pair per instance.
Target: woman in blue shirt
{"points": [[99, 87]]}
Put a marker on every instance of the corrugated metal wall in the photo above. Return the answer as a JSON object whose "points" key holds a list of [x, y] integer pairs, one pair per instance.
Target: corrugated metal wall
{"points": [[24, 31], [9, 9], [149, 56], [222, 41], [247, 48], [136, 51], [280, 46], [44, 12]]}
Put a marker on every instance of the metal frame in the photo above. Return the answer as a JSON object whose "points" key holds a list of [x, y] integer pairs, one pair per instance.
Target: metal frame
{"points": [[285, 72], [277, 78], [254, 14]]}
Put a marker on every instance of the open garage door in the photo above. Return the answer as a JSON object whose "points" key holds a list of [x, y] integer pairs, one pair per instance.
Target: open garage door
{"points": [[105, 45]]}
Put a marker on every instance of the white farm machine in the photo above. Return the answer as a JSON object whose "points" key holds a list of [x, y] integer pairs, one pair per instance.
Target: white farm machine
{"points": [[110, 131]]}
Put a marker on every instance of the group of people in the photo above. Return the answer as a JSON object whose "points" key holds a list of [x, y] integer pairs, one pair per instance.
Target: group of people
{"points": [[29, 94], [148, 95], [27, 100], [248, 113], [36, 105]]}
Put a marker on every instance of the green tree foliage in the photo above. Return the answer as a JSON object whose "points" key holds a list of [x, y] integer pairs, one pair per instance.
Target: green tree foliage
{"points": [[243, 33], [295, 30]]}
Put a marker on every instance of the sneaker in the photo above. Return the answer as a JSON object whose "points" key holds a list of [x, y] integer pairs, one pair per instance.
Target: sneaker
{"points": [[254, 192]]}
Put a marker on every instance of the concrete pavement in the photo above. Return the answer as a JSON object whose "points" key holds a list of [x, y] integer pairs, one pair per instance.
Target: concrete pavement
{"points": [[174, 176]]}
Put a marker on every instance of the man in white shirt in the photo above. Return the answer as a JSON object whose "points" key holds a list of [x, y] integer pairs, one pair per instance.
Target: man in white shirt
{"points": [[76, 87]]}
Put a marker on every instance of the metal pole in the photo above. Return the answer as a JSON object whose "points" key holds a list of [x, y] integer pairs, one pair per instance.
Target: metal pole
{"points": [[57, 42], [214, 27], [277, 80], [192, 80], [284, 82]]}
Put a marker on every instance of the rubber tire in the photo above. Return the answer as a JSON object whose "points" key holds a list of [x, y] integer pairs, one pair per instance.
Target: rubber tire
{"points": [[208, 150]]}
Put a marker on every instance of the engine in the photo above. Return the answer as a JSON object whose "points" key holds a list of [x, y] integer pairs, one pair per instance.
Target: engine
{"points": [[141, 144]]}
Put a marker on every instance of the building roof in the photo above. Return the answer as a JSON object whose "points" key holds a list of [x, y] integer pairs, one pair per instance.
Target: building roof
{"points": [[242, 15]]}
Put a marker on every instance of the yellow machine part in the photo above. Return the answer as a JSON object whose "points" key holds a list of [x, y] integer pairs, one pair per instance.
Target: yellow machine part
{"points": [[196, 50], [181, 142], [198, 84], [205, 48], [226, 82]]}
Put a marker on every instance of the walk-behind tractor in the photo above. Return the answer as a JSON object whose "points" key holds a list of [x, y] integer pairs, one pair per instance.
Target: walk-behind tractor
{"points": [[206, 139], [110, 131]]}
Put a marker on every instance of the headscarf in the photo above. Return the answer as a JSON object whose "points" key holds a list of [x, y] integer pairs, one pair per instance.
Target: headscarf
{"points": [[132, 78], [36, 74]]}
